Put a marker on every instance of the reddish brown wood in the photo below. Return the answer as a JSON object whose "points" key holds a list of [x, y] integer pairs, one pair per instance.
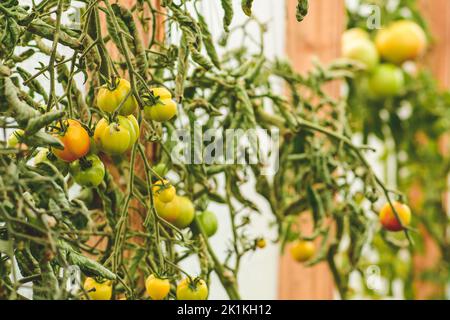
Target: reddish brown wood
{"points": [[319, 36]]}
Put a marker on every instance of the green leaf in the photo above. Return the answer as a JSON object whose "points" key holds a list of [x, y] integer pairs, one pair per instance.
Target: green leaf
{"points": [[247, 7], [228, 17], [302, 10]]}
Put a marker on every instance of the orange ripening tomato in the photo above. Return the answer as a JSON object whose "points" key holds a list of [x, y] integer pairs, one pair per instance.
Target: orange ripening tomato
{"points": [[75, 140], [388, 219]]}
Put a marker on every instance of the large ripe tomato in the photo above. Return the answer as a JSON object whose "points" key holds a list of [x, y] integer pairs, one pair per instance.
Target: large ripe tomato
{"points": [[388, 219], [157, 288], [302, 250], [361, 50], [88, 172], [186, 213], [192, 290], [112, 138], [165, 108], [44, 155], [387, 80], [208, 222], [97, 290], [164, 191], [401, 41], [169, 211], [109, 98], [75, 140]]}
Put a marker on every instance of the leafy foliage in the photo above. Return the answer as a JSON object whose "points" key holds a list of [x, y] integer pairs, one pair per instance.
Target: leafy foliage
{"points": [[113, 231]]}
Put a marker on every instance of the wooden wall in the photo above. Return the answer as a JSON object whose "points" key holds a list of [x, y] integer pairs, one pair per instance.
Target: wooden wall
{"points": [[319, 36]]}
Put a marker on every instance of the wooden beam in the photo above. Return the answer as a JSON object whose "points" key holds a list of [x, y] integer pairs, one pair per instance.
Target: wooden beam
{"points": [[319, 35], [437, 14]]}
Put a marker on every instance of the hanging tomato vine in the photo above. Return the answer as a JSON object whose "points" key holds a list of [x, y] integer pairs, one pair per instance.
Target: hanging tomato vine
{"points": [[114, 142]]}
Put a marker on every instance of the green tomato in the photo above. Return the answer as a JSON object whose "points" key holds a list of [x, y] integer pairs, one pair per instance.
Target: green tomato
{"points": [[387, 80], [88, 172], [186, 213], [208, 222], [161, 169]]}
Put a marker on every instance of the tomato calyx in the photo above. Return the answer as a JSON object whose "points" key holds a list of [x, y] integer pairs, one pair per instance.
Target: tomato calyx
{"points": [[193, 283], [151, 99], [85, 163]]}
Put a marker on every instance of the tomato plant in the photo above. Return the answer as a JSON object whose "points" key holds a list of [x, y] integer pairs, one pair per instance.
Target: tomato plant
{"points": [[118, 135], [419, 134]]}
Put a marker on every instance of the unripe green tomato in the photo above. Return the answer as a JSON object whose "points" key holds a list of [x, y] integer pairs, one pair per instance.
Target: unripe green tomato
{"points": [[387, 80], [161, 169], [208, 222], [88, 172], [186, 213]]}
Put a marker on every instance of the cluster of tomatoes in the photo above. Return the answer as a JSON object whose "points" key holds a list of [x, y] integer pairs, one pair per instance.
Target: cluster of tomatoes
{"points": [[383, 56], [393, 45], [158, 288], [115, 134]]}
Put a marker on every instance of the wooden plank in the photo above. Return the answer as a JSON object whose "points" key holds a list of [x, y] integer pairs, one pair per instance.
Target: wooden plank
{"points": [[319, 36], [437, 14]]}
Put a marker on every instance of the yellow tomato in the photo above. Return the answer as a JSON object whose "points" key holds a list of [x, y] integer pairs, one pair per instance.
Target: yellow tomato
{"points": [[97, 290], [157, 288], [195, 290], [164, 191], [302, 250], [112, 138], [401, 41], [390, 221], [109, 100], [261, 243], [164, 109], [169, 211]]}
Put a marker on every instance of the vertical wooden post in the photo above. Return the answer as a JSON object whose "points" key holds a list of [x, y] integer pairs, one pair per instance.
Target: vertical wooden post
{"points": [[318, 35], [437, 14]]}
